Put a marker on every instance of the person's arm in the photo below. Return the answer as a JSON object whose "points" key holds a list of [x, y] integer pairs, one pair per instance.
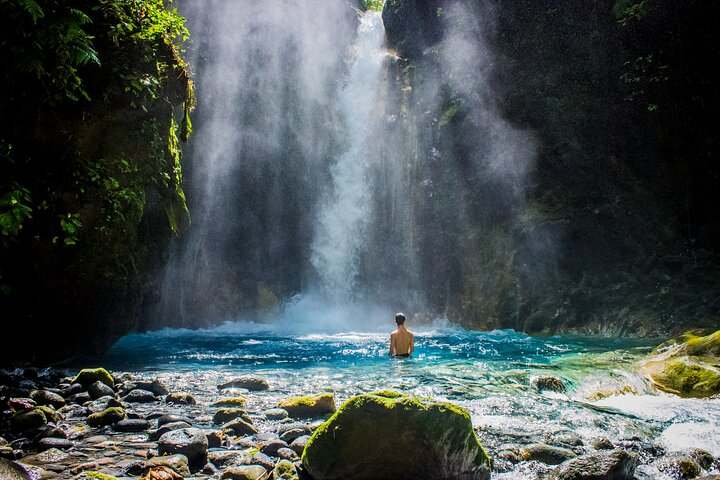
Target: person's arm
{"points": [[412, 344], [392, 346]]}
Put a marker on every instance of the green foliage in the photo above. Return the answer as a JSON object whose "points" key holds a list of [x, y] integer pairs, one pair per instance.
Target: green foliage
{"points": [[14, 211], [373, 4]]}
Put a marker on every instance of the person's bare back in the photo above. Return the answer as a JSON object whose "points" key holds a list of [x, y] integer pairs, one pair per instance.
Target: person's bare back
{"points": [[402, 340]]}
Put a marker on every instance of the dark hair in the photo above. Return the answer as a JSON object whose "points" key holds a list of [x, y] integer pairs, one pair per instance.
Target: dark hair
{"points": [[399, 318]]}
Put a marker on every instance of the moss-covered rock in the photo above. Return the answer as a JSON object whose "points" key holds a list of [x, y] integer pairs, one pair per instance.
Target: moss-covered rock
{"points": [[309, 405], [688, 366], [391, 435], [225, 415], [88, 376], [108, 416], [284, 470], [27, 419], [50, 414], [244, 472], [237, 402], [94, 476]]}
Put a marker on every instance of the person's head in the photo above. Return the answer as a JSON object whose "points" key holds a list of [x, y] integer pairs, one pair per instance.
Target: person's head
{"points": [[400, 318]]}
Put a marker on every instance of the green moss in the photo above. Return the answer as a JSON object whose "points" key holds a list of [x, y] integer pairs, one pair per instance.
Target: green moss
{"points": [[309, 405], [27, 419], [50, 413], [88, 376], [95, 476], [691, 380], [238, 402], [284, 470], [108, 416], [368, 429]]}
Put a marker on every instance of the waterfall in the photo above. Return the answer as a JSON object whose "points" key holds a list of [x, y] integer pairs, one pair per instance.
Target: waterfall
{"points": [[343, 217]]}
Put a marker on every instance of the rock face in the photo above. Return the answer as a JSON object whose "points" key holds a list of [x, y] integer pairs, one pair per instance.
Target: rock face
{"points": [[688, 366], [363, 438]]}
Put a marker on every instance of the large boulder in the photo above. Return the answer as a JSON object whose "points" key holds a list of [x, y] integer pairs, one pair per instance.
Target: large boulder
{"points": [[688, 366], [391, 435]]}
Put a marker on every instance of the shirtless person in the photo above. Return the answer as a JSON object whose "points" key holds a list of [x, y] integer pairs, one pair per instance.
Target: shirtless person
{"points": [[402, 340]]}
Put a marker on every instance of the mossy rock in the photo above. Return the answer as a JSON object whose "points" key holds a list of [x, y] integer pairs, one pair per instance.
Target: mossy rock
{"points": [[27, 419], [108, 416], [224, 415], [284, 470], [88, 376], [50, 414], [94, 476], [391, 435], [236, 402], [688, 366], [309, 405]]}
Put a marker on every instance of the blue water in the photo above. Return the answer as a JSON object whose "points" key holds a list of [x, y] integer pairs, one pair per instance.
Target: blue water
{"points": [[488, 373]]}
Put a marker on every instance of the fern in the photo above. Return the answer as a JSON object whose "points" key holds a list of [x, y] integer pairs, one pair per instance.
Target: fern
{"points": [[31, 7]]}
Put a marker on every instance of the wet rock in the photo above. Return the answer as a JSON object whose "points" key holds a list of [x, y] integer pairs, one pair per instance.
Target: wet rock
{"points": [[52, 455], [291, 434], [99, 390], [248, 382], [276, 414], [79, 398], [228, 458], [156, 386], [688, 366], [215, 438], [190, 442], [284, 470], [168, 427], [271, 447], [72, 389], [45, 397], [261, 459], [108, 416], [225, 415], [50, 413], [244, 472], [103, 403], [180, 398], [298, 445], [239, 427], [567, 439], [17, 404], [287, 454], [52, 442], [554, 384], [681, 467], [309, 405], [624, 390], [236, 402], [602, 443], [702, 457], [131, 425], [162, 420], [546, 454], [12, 471], [361, 441], [614, 465], [27, 419], [88, 376], [140, 396], [177, 462]]}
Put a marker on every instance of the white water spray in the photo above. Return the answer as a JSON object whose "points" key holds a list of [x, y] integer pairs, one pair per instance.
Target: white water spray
{"points": [[343, 217]]}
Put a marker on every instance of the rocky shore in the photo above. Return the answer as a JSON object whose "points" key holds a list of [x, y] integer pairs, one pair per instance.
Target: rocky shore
{"points": [[104, 425]]}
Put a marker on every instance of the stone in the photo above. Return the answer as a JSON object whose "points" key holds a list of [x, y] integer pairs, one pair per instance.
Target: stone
{"points": [[361, 441], [568, 439], [99, 390], [156, 386], [12, 471], [108, 416], [224, 415], [131, 425], [248, 382], [298, 445], [139, 396], [244, 472], [602, 443], [190, 442], [681, 467], [228, 458], [276, 414], [162, 420], [688, 366], [287, 454], [88, 376], [50, 414], [162, 473], [293, 433], [215, 438], [613, 465], [181, 398], [17, 404], [271, 447], [546, 454], [702, 457], [261, 459], [44, 397], [236, 402], [27, 419], [176, 462], [284, 470], [79, 398], [239, 427], [554, 384], [52, 442], [309, 406], [168, 427], [72, 389]]}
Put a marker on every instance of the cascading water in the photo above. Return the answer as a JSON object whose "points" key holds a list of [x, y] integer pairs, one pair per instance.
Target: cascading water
{"points": [[343, 218]]}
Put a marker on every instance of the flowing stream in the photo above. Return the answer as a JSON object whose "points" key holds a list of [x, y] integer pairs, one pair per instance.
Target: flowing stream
{"points": [[490, 374]]}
